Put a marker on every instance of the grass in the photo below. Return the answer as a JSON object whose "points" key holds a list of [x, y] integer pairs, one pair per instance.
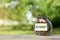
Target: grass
{"points": [[55, 31], [16, 32]]}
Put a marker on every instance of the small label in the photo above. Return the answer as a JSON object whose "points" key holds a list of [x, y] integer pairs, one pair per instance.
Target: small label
{"points": [[40, 27]]}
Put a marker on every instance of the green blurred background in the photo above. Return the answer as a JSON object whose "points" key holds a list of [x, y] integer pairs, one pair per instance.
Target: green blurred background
{"points": [[15, 10]]}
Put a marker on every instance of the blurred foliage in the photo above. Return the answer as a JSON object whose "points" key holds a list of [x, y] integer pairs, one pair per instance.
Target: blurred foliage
{"points": [[50, 8], [23, 27]]}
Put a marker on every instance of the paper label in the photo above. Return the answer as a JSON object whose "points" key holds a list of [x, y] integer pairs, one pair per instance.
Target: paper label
{"points": [[40, 27]]}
